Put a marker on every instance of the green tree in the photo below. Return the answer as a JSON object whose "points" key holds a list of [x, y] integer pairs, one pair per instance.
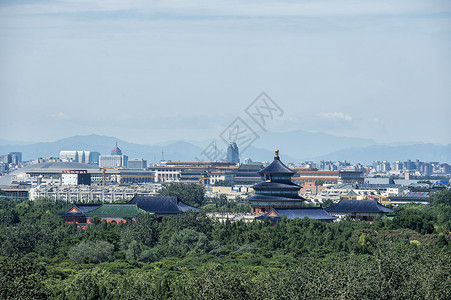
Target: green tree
{"points": [[92, 252], [442, 198], [21, 279], [190, 193], [188, 240]]}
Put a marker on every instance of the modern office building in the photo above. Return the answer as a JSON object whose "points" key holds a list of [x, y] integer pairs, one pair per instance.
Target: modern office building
{"points": [[203, 172], [115, 160], [75, 177], [233, 154], [137, 163], [304, 175], [83, 157], [16, 157]]}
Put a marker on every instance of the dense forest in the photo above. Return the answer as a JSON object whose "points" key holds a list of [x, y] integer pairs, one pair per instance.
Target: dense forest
{"points": [[193, 257]]}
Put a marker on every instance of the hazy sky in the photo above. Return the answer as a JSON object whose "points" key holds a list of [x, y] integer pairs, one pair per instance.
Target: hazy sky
{"points": [[150, 71]]}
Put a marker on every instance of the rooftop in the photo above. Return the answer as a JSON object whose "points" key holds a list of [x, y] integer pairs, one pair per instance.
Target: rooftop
{"points": [[357, 206], [277, 167]]}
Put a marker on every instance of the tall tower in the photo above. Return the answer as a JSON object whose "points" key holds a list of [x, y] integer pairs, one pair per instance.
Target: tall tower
{"points": [[233, 154], [276, 190]]}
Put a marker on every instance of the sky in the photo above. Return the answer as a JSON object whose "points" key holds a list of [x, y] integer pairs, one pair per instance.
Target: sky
{"points": [[153, 71]]}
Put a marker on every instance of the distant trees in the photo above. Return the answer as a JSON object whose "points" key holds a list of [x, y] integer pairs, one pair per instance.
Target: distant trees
{"points": [[189, 193], [442, 198]]}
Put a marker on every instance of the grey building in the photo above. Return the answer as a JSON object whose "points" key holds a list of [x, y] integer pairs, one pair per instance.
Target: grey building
{"points": [[233, 154], [137, 163], [16, 157]]}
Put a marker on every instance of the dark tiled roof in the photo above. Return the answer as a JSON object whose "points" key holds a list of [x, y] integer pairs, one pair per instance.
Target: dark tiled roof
{"points": [[276, 185], [316, 213], [368, 206], [185, 207], [83, 208], [277, 167], [161, 204], [311, 213], [260, 197]]}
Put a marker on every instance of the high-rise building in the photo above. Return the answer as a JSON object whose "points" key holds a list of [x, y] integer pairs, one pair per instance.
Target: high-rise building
{"points": [[16, 157], [69, 156], [409, 165], [5, 159], [233, 154], [426, 169], [137, 163], [94, 158], [115, 160], [84, 157]]}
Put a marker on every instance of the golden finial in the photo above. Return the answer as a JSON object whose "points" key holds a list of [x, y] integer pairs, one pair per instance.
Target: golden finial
{"points": [[277, 153]]}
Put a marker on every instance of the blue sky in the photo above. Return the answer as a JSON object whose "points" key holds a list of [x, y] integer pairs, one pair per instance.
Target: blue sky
{"points": [[150, 71]]}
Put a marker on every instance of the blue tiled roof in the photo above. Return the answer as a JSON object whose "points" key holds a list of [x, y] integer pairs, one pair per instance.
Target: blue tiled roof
{"points": [[311, 213], [276, 185], [277, 167], [368, 206], [83, 208], [260, 197], [162, 204], [316, 213]]}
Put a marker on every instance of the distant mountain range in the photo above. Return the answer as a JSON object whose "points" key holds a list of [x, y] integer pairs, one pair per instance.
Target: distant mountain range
{"points": [[423, 152], [295, 146]]}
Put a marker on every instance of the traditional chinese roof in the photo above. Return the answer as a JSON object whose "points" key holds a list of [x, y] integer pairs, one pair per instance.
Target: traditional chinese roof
{"points": [[276, 185], [119, 209], [162, 204], [316, 213], [79, 210], [358, 206], [271, 198], [277, 167]]}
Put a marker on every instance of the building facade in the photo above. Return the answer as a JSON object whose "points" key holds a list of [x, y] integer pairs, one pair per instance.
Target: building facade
{"points": [[75, 177], [137, 163], [113, 161]]}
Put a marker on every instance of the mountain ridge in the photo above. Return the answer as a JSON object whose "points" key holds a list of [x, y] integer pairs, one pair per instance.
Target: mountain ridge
{"points": [[295, 146]]}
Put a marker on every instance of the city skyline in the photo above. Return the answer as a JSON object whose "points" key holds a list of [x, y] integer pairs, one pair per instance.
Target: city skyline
{"points": [[144, 72]]}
